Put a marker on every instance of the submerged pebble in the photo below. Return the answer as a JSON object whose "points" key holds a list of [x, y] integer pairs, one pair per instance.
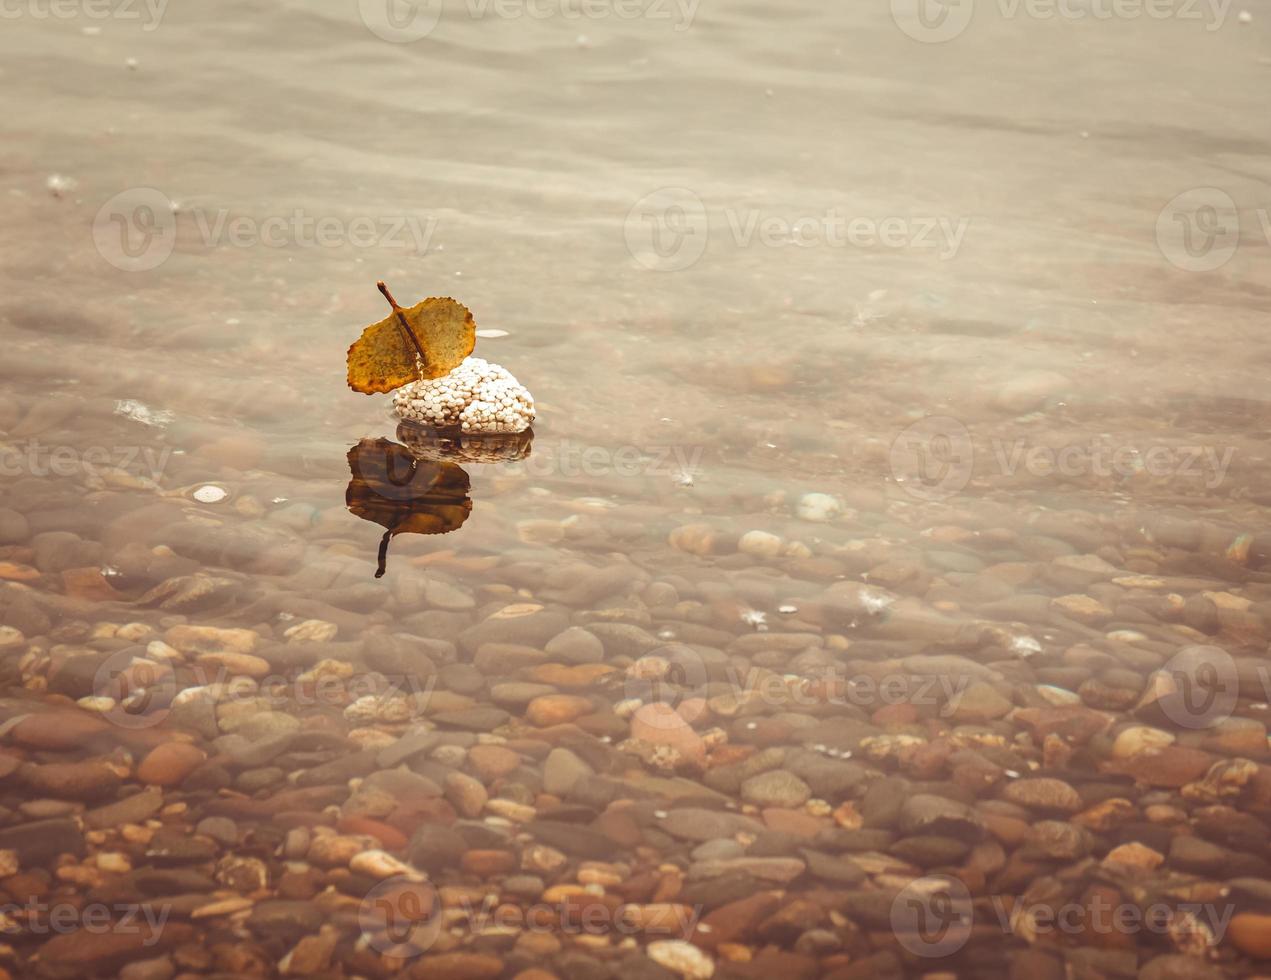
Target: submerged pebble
{"points": [[210, 494]]}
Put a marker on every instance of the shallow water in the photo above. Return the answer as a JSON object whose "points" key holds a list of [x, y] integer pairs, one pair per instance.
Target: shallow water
{"points": [[998, 303]]}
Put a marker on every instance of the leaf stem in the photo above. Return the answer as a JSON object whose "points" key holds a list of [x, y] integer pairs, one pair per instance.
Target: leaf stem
{"points": [[383, 553], [401, 320]]}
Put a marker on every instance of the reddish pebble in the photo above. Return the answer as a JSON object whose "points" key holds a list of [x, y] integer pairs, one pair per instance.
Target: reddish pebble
{"points": [[890, 715], [390, 838], [660, 724], [797, 822], [486, 864], [556, 709], [168, 764]]}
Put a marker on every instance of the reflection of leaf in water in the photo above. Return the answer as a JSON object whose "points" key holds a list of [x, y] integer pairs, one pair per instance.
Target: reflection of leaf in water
{"points": [[408, 496]]}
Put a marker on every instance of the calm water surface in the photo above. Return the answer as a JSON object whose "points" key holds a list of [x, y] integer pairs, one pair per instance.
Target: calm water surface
{"points": [[773, 250]]}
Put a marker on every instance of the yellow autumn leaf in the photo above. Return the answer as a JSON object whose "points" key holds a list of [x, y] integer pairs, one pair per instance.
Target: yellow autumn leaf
{"points": [[437, 332]]}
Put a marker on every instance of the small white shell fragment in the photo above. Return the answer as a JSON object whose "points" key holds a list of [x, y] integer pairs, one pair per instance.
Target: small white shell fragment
{"points": [[59, 186], [210, 494], [380, 864], [682, 958], [760, 544], [491, 333], [1025, 646], [224, 906], [139, 412], [476, 396], [819, 507]]}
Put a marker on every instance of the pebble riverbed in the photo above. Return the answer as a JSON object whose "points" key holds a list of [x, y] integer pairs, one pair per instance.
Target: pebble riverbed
{"points": [[853, 735]]}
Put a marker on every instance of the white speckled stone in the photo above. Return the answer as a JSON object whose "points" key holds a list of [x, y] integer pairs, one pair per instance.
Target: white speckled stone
{"points": [[477, 396]]}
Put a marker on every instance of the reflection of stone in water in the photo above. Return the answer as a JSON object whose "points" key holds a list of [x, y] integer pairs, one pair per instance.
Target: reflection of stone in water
{"points": [[406, 495], [464, 447], [419, 487]]}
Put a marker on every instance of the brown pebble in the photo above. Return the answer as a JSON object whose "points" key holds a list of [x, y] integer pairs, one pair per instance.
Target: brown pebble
{"points": [[1043, 793], [390, 837], [492, 762], [797, 822], [91, 952], [661, 724], [59, 730], [556, 709], [488, 863], [457, 966], [87, 780], [1250, 932], [1173, 766], [575, 677], [734, 921], [170, 763]]}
